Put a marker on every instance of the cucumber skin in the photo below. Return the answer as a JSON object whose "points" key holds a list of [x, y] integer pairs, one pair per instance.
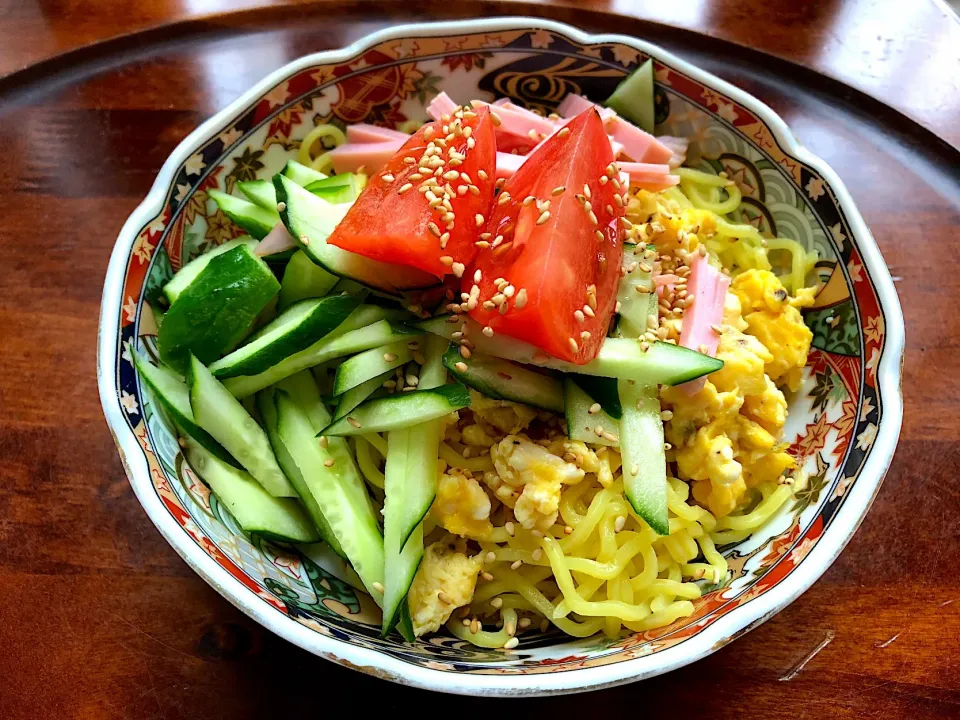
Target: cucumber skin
{"points": [[456, 396], [580, 423], [268, 412], [471, 378], [640, 110], [235, 489], [303, 279], [173, 287], [602, 390], [252, 218], [209, 397], [186, 424], [614, 354], [641, 442], [301, 174], [328, 315], [347, 501], [217, 309]]}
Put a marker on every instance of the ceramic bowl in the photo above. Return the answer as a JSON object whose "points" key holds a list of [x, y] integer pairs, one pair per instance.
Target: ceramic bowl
{"points": [[843, 423]]}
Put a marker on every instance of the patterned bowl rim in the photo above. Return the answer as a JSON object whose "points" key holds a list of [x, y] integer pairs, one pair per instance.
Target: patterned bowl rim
{"points": [[709, 639]]}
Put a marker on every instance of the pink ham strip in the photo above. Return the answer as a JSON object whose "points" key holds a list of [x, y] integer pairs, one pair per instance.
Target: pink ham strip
{"points": [[508, 164], [365, 133], [441, 105], [276, 241], [350, 157], [639, 145], [519, 121], [678, 146], [649, 176], [708, 287]]}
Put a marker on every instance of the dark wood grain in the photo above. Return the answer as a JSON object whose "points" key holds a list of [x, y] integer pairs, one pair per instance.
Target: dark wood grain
{"points": [[99, 618]]}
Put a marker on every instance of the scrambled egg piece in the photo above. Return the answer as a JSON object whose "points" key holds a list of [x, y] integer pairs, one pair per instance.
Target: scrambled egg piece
{"points": [[725, 436], [462, 507], [773, 318], [506, 417], [529, 478], [445, 581]]}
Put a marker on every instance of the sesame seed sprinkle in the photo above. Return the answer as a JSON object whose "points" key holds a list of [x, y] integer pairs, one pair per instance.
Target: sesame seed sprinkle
{"points": [[479, 219], [563, 132], [458, 269], [503, 199], [328, 462], [389, 357], [377, 586], [404, 188], [488, 331], [558, 190], [521, 298], [515, 565], [446, 260], [511, 643], [444, 598], [497, 122], [578, 314], [573, 344], [544, 216]]}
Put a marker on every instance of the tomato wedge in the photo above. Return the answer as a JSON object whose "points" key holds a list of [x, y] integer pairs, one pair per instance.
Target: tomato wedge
{"points": [[551, 272], [420, 209]]}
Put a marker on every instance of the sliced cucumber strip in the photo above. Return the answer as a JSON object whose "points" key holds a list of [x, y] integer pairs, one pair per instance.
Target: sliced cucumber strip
{"points": [[356, 395], [634, 97], [339, 493], [189, 272], [297, 328], [222, 415], [635, 305], [260, 193], [337, 344], [581, 423], [254, 219], [410, 488], [504, 380], [603, 390], [401, 411], [644, 461], [371, 364], [342, 188], [310, 220], [301, 174], [663, 363], [216, 311], [253, 507], [172, 394], [304, 279], [268, 413]]}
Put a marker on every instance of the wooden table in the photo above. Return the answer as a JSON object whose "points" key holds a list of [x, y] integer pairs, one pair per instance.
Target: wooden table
{"points": [[99, 618]]}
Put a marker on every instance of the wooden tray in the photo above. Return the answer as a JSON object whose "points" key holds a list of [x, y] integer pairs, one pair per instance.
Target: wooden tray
{"points": [[98, 615]]}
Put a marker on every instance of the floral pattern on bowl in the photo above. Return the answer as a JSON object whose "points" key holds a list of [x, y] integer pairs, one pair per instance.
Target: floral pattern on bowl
{"points": [[843, 422]]}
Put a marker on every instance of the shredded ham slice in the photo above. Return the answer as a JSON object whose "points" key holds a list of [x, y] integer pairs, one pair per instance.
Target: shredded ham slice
{"points": [[649, 176], [365, 133], [441, 105], [678, 146], [640, 146], [276, 241], [708, 287], [350, 157], [508, 164]]}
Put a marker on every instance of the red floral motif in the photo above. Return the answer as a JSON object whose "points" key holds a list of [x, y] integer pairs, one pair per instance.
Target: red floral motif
{"points": [[575, 660], [467, 62], [845, 425], [379, 86], [283, 124], [813, 440]]}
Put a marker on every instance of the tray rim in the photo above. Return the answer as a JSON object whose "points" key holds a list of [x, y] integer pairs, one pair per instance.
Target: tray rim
{"points": [[372, 662]]}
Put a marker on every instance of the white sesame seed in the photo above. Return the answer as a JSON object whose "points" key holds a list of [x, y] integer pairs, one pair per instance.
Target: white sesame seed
{"points": [[573, 344], [451, 175], [515, 565], [509, 528], [497, 122], [619, 523], [594, 409], [578, 314], [490, 557], [563, 132], [377, 586], [588, 311], [593, 218], [389, 357], [432, 227], [509, 290], [482, 174], [586, 191], [446, 260], [511, 643], [521, 298], [497, 603], [461, 367], [537, 554], [599, 234], [603, 179], [328, 462], [458, 269], [557, 190], [488, 331], [479, 219], [465, 352], [323, 441], [544, 216], [585, 335], [444, 598], [503, 199]]}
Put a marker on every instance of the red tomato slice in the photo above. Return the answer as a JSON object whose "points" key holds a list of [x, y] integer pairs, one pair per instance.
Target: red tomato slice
{"points": [[393, 220], [551, 272]]}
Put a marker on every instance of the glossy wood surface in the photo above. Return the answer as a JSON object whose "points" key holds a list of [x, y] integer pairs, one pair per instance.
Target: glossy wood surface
{"points": [[99, 618]]}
